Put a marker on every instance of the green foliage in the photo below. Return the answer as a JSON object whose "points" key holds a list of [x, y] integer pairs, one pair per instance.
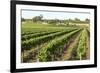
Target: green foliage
{"points": [[26, 45], [26, 37], [81, 49]]}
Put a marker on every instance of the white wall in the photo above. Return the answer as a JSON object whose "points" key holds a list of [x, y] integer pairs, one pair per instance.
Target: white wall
{"points": [[5, 36]]}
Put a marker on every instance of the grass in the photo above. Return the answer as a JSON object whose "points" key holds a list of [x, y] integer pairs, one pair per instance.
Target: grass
{"points": [[37, 27]]}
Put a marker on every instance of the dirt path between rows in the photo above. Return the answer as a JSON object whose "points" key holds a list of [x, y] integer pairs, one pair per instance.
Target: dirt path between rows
{"points": [[68, 52]]}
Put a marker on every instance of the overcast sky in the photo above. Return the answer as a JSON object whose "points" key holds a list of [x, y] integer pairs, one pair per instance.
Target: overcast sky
{"points": [[28, 14]]}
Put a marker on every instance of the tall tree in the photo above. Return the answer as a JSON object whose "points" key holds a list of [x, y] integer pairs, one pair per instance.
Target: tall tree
{"points": [[87, 20], [37, 18], [22, 19], [76, 19]]}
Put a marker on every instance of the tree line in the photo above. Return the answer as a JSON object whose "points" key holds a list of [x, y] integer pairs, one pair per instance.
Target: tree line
{"points": [[54, 21]]}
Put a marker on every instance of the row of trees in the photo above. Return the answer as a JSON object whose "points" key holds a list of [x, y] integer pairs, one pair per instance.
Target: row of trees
{"points": [[51, 21]]}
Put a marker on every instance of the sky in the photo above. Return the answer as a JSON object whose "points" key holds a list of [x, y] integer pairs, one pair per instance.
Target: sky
{"points": [[29, 14]]}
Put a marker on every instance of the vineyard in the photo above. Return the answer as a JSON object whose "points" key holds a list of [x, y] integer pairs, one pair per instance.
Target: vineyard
{"points": [[43, 43]]}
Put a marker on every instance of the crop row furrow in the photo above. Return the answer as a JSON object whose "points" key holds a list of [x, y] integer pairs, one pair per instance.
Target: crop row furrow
{"points": [[48, 52]]}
